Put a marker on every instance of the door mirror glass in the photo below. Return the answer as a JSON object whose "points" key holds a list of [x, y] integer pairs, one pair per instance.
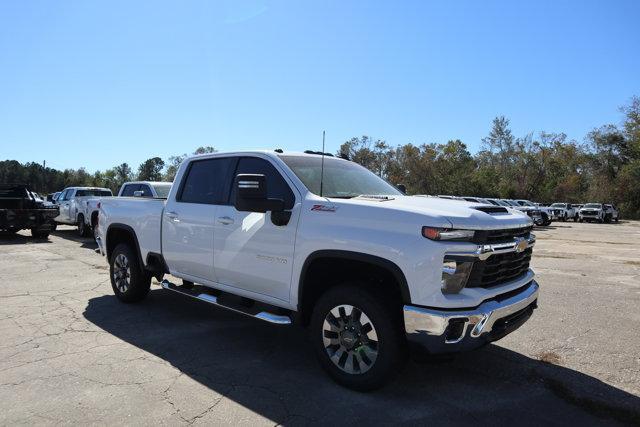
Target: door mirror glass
{"points": [[251, 194]]}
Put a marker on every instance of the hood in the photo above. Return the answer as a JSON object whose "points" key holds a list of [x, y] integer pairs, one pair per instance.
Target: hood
{"points": [[459, 213]]}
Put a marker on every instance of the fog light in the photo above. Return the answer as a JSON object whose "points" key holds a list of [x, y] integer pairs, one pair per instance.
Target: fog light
{"points": [[454, 276]]}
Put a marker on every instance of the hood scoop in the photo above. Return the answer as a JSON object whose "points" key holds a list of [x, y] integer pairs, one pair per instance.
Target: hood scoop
{"points": [[492, 210]]}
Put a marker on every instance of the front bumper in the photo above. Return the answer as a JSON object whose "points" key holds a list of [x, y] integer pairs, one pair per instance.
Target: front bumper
{"points": [[454, 330]]}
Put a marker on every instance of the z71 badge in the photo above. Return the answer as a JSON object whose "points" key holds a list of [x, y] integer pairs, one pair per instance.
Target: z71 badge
{"points": [[323, 208]]}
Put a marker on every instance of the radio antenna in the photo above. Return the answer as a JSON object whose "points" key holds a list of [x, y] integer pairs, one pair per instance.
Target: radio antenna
{"points": [[322, 165]]}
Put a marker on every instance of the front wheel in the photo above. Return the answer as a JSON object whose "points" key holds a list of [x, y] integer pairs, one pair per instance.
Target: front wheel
{"points": [[357, 338], [129, 282]]}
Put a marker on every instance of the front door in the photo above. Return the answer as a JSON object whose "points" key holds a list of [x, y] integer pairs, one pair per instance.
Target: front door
{"points": [[64, 205], [251, 252], [188, 220]]}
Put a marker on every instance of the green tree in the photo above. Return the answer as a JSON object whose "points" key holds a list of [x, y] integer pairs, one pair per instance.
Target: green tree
{"points": [[151, 169]]}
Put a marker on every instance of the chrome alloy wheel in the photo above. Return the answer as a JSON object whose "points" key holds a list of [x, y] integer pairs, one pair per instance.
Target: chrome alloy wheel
{"points": [[121, 273], [350, 339]]}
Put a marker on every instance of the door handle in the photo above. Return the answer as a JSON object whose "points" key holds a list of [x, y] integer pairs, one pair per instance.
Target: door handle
{"points": [[225, 220], [173, 216]]}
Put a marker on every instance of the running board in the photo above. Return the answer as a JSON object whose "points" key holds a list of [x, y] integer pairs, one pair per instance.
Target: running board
{"points": [[202, 295]]}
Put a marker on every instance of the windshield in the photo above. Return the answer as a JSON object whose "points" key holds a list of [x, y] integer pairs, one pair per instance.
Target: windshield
{"points": [[162, 190], [101, 193], [342, 178], [557, 205], [510, 203], [525, 203], [592, 205]]}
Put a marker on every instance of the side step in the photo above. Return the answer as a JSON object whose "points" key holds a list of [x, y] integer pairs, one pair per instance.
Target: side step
{"points": [[208, 295]]}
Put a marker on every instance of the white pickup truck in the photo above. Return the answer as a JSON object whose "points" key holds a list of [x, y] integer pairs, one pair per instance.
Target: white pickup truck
{"points": [[79, 206], [325, 243]]}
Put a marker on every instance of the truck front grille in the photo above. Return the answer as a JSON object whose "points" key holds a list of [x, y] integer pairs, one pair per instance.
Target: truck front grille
{"points": [[485, 237], [499, 268]]}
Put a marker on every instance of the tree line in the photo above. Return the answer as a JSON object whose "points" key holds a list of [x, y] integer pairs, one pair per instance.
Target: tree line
{"points": [[544, 167], [47, 180]]}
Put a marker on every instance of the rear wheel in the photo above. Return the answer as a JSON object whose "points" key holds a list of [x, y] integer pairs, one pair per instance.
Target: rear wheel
{"points": [[129, 282], [357, 338], [82, 227]]}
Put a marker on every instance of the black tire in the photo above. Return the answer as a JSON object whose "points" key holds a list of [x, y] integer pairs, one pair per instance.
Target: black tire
{"points": [[564, 218], [82, 227], [129, 282], [389, 345], [187, 284], [575, 218], [39, 234], [617, 219]]}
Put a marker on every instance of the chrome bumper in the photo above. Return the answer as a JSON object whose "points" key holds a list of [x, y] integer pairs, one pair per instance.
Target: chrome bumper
{"points": [[447, 331]]}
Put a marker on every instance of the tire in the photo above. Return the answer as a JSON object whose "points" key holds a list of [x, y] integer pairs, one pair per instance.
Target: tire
{"points": [[617, 219], [575, 218], [129, 282], [375, 350], [187, 284], [580, 219], [39, 234], [564, 218], [82, 227]]}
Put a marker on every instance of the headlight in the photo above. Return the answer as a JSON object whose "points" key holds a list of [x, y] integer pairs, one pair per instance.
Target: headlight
{"points": [[455, 275], [433, 233]]}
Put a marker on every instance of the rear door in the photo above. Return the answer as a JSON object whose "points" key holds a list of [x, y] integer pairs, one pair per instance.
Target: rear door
{"points": [[251, 252], [188, 220]]}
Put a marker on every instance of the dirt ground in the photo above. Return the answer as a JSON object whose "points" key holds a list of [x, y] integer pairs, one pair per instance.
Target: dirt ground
{"points": [[70, 353]]}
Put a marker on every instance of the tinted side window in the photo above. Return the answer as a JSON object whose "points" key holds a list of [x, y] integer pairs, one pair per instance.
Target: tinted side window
{"points": [[129, 189], [206, 181], [277, 187]]}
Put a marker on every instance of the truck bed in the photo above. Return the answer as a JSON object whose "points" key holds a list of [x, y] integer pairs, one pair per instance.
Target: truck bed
{"points": [[144, 215]]}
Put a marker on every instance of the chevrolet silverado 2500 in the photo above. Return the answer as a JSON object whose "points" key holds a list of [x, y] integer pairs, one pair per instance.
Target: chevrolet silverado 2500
{"points": [[328, 244]]}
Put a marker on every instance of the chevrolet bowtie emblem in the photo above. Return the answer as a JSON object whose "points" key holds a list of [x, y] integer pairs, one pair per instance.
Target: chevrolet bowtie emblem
{"points": [[521, 244]]}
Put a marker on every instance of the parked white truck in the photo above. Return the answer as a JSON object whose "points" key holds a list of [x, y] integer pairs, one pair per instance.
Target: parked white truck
{"points": [[326, 243], [79, 206]]}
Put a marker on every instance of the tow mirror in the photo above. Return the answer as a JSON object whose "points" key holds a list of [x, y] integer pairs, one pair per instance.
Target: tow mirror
{"points": [[251, 194], [138, 193], [402, 188]]}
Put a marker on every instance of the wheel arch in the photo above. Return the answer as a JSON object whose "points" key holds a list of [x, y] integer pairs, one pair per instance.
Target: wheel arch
{"points": [[122, 233], [348, 265]]}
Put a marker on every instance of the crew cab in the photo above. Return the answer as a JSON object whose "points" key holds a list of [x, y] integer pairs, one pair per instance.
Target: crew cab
{"points": [[79, 206], [325, 243], [152, 189]]}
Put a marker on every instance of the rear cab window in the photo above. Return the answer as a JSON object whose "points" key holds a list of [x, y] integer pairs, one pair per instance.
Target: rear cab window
{"points": [[206, 181]]}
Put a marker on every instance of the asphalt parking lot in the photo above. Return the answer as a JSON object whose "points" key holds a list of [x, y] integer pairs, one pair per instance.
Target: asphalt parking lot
{"points": [[70, 353]]}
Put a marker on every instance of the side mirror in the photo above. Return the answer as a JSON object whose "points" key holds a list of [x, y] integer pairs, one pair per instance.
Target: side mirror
{"points": [[251, 194], [138, 193], [402, 188]]}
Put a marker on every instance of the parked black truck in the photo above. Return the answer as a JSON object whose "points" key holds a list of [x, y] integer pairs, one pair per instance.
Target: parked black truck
{"points": [[20, 209]]}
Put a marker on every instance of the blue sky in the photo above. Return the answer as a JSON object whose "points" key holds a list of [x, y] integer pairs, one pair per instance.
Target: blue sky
{"points": [[97, 83]]}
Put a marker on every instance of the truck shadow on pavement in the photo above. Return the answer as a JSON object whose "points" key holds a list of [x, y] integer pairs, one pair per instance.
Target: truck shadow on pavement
{"points": [[272, 371], [72, 235], [19, 239]]}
